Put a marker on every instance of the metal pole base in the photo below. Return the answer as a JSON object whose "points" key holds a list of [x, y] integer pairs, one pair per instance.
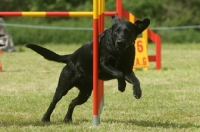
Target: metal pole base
{"points": [[95, 120]]}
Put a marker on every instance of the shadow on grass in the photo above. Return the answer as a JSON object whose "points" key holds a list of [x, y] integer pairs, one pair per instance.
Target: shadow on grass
{"points": [[28, 123], [145, 123], [168, 68], [41, 124], [141, 123]]}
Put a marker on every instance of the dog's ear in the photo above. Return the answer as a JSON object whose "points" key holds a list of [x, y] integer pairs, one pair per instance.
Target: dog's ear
{"points": [[115, 19], [142, 25]]}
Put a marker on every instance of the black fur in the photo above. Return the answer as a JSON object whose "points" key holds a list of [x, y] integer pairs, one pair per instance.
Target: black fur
{"points": [[116, 59]]}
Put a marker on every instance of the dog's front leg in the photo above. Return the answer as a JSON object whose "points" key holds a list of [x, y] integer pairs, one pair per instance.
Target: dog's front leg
{"points": [[121, 85], [131, 78], [115, 74], [106, 68]]}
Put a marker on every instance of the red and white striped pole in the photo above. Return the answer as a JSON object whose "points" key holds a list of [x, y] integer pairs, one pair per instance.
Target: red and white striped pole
{"points": [[98, 27]]}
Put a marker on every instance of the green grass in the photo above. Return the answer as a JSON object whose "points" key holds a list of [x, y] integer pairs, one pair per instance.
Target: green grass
{"points": [[170, 101]]}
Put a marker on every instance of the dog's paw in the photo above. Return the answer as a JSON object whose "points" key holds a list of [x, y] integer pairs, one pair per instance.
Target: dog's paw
{"points": [[137, 92], [121, 86], [67, 120], [45, 119]]}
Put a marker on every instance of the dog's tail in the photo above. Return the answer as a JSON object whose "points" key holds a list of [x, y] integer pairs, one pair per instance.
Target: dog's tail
{"points": [[48, 54]]}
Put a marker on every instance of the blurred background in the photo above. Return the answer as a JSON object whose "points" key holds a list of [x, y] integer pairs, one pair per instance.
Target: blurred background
{"points": [[175, 21]]}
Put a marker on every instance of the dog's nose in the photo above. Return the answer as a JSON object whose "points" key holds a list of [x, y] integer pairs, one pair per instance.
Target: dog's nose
{"points": [[120, 45], [120, 42]]}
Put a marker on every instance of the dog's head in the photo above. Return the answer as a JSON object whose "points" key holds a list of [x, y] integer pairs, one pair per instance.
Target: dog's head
{"points": [[124, 33]]}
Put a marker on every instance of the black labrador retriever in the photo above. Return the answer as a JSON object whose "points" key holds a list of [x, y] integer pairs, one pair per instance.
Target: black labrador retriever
{"points": [[116, 59]]}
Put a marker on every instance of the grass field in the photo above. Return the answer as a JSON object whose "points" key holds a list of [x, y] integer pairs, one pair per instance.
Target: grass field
{"points": [[170, 101]]}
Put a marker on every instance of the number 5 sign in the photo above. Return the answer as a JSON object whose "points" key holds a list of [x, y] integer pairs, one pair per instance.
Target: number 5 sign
{"points": [[141, 58]]}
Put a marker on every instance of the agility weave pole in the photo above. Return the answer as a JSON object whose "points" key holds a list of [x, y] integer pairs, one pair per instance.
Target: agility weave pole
{"points": [[98, 9]]}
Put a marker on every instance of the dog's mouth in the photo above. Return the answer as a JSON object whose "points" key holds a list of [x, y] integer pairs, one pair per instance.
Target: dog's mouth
{"points": [[120, 45], [120, 50]]}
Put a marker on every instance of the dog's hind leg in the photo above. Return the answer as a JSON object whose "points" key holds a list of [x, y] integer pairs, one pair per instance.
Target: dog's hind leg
{"points": [[64, 85], [56, 98], [82, 97], [131, 78]]}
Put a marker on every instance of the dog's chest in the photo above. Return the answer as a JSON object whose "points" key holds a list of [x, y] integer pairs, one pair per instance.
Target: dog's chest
{"points": [[113, 61]]}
